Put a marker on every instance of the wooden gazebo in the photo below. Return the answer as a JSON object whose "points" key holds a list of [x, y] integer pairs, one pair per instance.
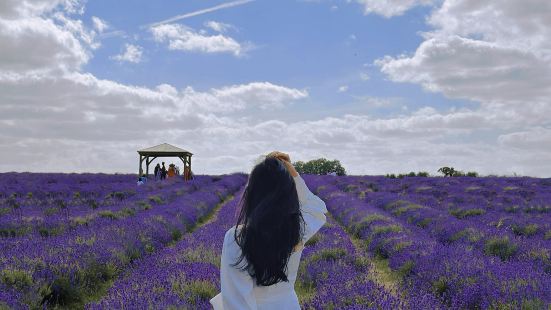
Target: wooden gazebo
{"points": [[165, 150]]}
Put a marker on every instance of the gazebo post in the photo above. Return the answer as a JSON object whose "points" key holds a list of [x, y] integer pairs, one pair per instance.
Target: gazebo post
{"points": [[148, 162], [140, 170]]}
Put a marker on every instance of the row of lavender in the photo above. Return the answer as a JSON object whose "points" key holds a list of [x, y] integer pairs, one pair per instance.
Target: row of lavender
{"points": [[27, 214], [457, 274], [74, 267], [490, 232], [186, 276]]}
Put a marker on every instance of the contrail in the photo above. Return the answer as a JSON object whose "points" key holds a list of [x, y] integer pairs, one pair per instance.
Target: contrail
{"points": [[199, 12]]}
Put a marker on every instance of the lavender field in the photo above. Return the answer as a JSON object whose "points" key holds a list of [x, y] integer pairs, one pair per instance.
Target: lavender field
{"points": [[98, 241]]}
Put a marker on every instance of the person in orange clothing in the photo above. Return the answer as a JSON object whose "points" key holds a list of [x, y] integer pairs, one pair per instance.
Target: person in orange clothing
{"points": [[171, 171]]}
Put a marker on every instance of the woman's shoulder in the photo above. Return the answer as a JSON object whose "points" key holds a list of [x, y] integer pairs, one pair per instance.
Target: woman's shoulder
{"points": [[230, 245], [228, 237]]}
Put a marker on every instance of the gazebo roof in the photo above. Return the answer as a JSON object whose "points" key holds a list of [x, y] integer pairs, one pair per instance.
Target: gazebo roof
{"points": [[164, 149]]}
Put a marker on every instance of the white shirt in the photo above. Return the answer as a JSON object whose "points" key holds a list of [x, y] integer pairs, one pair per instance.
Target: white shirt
{"points": [[239, 290]]}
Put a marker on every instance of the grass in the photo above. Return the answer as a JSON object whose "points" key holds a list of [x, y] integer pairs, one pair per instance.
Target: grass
{"points": [[500, 247], [527, 230], [328, 254], [463, 213], [18, 279], [194, 290]]}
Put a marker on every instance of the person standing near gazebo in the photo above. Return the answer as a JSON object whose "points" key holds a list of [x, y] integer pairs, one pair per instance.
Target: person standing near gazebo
{"points": [[157, 172], [163, 171], [171, 171]]}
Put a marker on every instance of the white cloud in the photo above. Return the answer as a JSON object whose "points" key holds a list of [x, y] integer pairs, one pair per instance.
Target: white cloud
{"points": [[99, 24], [380, 102], [531, 139], [54, 117], [265, 95], [184, 38], [494, 53], [490, 52], [218, 26], [132, 53], [390, 8], [40, 44], [364, 76], [343, 89]]}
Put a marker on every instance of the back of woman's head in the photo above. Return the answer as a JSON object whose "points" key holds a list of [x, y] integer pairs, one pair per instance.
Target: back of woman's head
{"points": [[271, 222]]}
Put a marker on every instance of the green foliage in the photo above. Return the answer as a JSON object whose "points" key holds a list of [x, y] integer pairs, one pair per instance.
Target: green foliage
{"points": [[537, 209], [4, 210], [50, 231], [194, 290], [468, 233], [440, 286], [202, 254], [320, 166], [18, 279], [125, 212], [350, 188], [386, 229], [176, 234], [313, 240], [410, 174], [15, 231], [525, 304], [424, 223], [406, 268], [512, 209], [528, 230], [401, 245], [356, 228], [86, 285], [451, 172], [447, 171], [108, 214], [144, 205], [328, 254], [92, 203], [76, 221], [547, 235], [155, 199], [500, 247], [463, 213]]}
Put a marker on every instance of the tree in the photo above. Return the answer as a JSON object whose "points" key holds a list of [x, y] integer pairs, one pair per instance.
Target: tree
{"points": [[447, 171], [320, 166]]}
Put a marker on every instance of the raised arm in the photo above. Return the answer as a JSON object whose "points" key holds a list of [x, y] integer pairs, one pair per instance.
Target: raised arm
{"points": [[312, 207]]}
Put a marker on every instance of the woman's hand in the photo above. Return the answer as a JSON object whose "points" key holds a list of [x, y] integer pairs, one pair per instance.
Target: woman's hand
{"points": [[284, 157]]}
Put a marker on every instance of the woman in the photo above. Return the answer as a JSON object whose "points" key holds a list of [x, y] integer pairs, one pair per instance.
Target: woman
{"points": [[171, 171], [261, 254]]}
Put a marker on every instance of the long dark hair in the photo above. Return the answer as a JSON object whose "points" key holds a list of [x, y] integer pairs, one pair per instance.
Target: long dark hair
{"points": [[272, 222]]}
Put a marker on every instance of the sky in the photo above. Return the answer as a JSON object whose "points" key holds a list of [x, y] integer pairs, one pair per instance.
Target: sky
{"points": [[383, 86]]}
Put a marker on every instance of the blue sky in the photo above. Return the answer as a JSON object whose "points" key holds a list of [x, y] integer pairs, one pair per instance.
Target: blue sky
{"points": [[304, 44], [382, 85]]}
